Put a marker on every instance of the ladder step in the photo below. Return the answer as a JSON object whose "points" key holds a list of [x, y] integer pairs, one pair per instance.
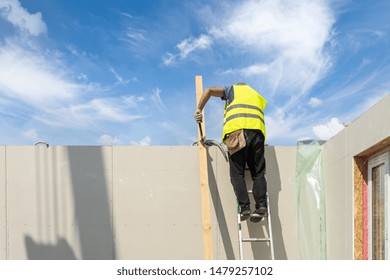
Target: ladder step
{"points": [[255, 239]]}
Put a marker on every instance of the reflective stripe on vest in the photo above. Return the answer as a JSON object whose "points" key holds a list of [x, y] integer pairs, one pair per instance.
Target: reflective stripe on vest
{"points": [[245, 111], [243, 115], [243, 106]]}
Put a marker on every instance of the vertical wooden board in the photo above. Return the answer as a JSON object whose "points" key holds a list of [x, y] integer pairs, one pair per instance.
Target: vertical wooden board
{"points": [[204, 182]]}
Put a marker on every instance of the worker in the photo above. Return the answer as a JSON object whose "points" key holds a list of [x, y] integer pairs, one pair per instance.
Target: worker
{"points": [[244, 135]]}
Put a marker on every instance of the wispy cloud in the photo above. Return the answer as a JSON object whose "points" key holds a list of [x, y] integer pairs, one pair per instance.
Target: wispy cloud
{"points": [[133, 101], [135, 37], [119, 78], [30, 134], [187, 48], [359, 38], [314, 102], [363, 104], [353, 86], [156, 99], [255, 70], [88, 114]]}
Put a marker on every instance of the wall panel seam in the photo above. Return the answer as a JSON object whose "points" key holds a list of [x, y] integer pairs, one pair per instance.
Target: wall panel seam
{"points": [[6, 236], [114, 251]]}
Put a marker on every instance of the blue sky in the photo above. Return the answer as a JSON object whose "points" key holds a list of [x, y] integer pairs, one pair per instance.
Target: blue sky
{"points": [[123, 72]]}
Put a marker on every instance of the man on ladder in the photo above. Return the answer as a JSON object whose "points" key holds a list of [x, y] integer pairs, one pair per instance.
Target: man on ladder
{"points": [[244, 134]]}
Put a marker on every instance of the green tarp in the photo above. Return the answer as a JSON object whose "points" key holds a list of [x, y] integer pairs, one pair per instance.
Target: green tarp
{"points": [[311, 224]]}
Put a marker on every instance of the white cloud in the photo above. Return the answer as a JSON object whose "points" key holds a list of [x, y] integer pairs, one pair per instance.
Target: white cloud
{"points": [[146, 141], [314, 102], [328, 130], [30, 134], [289, 36], [20, 71], [108, 140], [285, 39], [294, 29], [19, 17]]}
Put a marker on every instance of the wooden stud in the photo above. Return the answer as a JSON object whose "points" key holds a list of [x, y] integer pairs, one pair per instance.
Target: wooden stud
{"points": [[204, 180]]}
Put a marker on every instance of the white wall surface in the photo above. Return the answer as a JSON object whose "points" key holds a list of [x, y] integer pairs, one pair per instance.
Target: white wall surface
{"points": [[366, 131], [131, 203], [144, 202]]}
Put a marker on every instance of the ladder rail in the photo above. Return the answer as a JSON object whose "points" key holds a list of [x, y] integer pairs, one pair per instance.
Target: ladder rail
{"points": [[271, 242], [239, 234]]}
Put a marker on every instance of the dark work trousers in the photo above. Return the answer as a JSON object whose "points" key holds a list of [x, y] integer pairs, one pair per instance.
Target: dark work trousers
{"points": [[253, 156]]}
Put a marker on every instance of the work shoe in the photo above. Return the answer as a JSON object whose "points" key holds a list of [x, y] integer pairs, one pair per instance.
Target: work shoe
{"points": [[262, 210], [258, 214], [245, 212]]}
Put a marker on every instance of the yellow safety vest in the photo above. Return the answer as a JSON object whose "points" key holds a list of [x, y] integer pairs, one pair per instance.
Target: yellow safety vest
{"points": [[245, 111]]}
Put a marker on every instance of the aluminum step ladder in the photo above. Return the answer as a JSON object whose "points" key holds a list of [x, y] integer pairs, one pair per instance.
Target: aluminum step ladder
{"points": [[267, 239]]}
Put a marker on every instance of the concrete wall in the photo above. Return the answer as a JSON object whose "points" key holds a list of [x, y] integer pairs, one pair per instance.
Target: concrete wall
{"points": [[131, 203], [368, 130]]}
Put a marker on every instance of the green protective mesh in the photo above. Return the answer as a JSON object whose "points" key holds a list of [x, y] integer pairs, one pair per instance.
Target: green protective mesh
{"points": [[311, 224]]}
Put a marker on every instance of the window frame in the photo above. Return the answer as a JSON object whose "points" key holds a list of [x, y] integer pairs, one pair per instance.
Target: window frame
{"points": [[375, 161]]}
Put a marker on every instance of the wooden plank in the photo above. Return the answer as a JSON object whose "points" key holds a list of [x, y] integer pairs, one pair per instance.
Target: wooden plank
{"points": [[204, 181]]}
